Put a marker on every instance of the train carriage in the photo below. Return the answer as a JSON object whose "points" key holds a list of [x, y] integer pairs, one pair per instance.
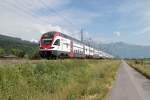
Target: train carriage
{"points": [[55, 44]]}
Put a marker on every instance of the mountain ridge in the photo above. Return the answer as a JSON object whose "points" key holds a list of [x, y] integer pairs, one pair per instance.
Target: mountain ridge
{"points": [[125, 50], [8, 43]]}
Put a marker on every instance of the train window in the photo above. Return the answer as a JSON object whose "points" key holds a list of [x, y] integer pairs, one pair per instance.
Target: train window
{"points": [[57, 42]]}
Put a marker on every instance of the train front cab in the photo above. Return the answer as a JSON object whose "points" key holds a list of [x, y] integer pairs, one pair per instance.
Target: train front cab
{"points": [[48, 42]]}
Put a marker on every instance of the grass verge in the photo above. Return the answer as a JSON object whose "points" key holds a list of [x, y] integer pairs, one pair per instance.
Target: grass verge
{"points": [[57, 80], [142, 66]]}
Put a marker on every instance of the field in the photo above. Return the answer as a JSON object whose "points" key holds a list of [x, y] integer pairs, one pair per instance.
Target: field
{"points": [[57, 79], [143, 66]]}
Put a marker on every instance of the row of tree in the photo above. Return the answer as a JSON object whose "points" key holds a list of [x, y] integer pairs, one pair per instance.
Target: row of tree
{"points": [[16, 52], [19, 53]]}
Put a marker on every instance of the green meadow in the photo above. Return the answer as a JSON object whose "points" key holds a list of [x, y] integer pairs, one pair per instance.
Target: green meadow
{"points": [[58, 80]]}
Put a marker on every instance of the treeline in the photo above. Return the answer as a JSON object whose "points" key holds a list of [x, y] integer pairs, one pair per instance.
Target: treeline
{"points": [[17, 47]]}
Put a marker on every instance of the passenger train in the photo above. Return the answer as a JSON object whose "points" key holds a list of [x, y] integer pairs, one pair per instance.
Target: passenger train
{"points": [[58, 45]]}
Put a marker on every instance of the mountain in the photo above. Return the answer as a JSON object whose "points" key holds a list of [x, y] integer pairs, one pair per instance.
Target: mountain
{"points": [[8, 43], [124, 50]]}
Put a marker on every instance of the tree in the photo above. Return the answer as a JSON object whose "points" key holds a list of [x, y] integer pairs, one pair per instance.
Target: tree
{"points": [[18, 52], [35, 55], [2, 52]]}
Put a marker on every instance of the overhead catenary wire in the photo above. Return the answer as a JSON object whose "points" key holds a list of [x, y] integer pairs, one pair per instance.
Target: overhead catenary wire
{"points": [[50, 10], [24, 10], [27, 12]]}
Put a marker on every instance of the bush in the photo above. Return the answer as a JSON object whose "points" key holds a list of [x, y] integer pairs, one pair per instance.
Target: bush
{"points": [[35, 55], [2, 52], [18, 52]]}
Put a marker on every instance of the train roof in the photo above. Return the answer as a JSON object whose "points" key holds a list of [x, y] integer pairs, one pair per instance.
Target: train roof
{"points": [[66, 36], [69, 37]]}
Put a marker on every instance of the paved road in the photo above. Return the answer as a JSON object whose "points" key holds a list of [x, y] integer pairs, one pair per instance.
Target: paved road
{"points": [[130, 85]]}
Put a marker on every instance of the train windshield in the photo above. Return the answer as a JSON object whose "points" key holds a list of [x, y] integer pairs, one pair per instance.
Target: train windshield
{"points": [[46, 41], [47, 38]]}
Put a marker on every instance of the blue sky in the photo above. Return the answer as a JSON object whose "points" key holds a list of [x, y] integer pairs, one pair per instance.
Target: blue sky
{"points": [[102, 20]]}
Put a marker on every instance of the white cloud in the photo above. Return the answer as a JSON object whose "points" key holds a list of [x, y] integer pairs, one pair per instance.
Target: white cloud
{"points": [[20, 18], [34, 40], [117, 34]]}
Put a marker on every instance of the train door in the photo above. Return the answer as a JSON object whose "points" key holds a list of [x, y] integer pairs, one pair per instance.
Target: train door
{"points": [[62, 40], [83, 55], [57, 44], [71, 49]]}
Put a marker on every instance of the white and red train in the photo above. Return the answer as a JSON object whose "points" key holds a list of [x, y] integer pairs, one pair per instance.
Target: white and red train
{"points": [[58, 45]]}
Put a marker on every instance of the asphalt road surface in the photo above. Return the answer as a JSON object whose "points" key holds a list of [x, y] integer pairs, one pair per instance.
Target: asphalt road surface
{"points": [[130, 85]]}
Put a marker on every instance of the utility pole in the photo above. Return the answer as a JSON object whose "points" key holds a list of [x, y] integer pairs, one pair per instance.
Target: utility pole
{"points": [[81, 34], [82, 41]]}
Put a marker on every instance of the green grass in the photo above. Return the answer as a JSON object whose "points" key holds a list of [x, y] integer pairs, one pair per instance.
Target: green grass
{"points": [[57, 80], [142, 66]]}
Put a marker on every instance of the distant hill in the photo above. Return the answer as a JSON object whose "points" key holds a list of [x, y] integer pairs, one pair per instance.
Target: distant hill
{"points": [[124, 50], [8, 43]]}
